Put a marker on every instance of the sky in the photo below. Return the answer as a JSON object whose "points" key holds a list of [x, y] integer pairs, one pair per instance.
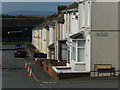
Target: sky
{"points": [[37, 0]]}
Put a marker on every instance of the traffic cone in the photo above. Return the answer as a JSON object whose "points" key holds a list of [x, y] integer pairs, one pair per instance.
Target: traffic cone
{"points": [[25, 65], [28, 68], [30, 72]]}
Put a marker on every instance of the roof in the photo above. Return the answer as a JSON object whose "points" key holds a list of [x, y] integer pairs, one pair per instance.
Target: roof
{"points": [[42, 25], [72, 6], [62, 40], [51, 46], [79, 35], [60, 18], [51, 23]]}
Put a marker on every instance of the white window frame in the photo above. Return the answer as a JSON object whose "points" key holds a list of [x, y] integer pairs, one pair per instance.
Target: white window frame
{"points": [[68, 50], [76, 46]]}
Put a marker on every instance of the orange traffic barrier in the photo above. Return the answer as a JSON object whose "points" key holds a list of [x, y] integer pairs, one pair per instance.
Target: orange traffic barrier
{"points": [[30, 72], [28, 68], [25, 65]]}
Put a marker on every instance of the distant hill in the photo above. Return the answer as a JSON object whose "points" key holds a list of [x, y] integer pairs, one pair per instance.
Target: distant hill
{"points": [[41, 13]]}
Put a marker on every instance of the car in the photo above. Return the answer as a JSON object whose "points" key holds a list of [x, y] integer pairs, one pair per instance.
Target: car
{"points": [[19, 51], [18, 46]]}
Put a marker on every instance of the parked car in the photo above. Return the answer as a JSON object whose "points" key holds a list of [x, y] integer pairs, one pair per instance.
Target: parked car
{"points": [[20, 51], [18, 46]]}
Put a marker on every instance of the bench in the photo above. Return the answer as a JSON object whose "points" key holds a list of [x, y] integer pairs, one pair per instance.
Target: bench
{"points": [[104, 68]]}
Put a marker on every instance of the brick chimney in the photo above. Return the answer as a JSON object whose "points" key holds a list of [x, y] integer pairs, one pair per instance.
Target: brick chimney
{"points": [[60, 8]]}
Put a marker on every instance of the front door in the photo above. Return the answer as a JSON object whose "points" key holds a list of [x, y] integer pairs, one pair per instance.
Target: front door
{"points": [[52, 54]]}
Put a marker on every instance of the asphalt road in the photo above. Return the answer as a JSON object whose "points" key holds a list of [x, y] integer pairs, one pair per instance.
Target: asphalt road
{"points": [[15, 76], [13, 73]]}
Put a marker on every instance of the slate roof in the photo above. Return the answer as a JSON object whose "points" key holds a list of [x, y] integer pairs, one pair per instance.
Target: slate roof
{"points": [[79, 35], [72, 6], [59, 18]]}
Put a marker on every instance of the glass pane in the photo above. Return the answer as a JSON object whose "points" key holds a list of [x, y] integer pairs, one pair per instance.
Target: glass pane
{"points": [[64, 54], [68, 48], [74, 53], [52, 51], [80, 54], [64, 46], [68, 56], [74, 43], [52, 56], [81, 43]]}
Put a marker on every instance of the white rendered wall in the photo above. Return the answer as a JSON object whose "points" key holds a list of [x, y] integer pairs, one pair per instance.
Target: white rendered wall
{"points": [[50, 35]]}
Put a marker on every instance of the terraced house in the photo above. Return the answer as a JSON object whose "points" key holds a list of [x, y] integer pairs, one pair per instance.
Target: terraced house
{"points": [[86, 35]]}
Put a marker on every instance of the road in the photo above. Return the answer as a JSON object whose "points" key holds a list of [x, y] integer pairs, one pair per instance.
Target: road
{"points": [[14, 75]]}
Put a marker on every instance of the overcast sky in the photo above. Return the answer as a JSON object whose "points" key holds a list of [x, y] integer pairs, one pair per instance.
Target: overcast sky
{"points": [[37, 0]]}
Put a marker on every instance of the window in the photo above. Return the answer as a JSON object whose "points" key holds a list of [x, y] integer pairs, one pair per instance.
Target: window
{"points": [[81, 43], [68, 54], [78, 50], [74, 53], [64, 56], [81, 54], [63, 51]]}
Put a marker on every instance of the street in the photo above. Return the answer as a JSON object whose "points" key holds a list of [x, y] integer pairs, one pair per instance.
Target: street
{"points": [[14, 75]]}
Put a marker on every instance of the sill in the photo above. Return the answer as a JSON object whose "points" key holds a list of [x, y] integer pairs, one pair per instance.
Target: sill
{"points": [[78, 62]]}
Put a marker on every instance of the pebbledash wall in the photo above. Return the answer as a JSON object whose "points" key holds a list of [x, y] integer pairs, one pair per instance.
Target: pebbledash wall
{"points": [[104, 33]]}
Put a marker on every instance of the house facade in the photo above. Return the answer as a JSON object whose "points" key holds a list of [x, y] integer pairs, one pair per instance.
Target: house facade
{"points": [[85, 34], [96, 39]]}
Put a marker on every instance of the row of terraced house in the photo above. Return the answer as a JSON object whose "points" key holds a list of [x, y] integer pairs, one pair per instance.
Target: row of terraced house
{"points": [[85, 35]]}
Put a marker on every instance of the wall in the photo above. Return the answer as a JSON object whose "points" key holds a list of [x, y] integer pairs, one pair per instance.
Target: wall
{"points": [[50, 35], [104, 43], [40, 40], [104, 49], [77, 66], [104, 16], [44, 41]]}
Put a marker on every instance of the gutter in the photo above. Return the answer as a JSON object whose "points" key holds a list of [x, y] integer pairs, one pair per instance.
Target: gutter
{"points": [[70, 10]]}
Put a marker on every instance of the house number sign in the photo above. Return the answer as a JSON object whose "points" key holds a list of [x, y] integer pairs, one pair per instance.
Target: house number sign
{"points": [[102, 34]]}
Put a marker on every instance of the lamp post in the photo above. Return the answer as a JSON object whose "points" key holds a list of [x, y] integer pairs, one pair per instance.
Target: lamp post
{"points": [[26, 29], [8, 36]]}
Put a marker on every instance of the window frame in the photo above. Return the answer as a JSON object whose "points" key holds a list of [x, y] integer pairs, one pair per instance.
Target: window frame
{"points": [[77, 47]]}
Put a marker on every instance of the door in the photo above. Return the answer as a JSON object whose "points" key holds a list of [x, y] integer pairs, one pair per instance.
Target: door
{"points": [[52, 54]]}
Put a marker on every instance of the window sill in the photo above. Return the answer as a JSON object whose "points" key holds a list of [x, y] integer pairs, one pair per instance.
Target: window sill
{"points": [[81, 63]]}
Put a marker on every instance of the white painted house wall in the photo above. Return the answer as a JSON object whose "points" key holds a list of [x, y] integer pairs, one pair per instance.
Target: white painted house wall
{"points": [[77, 25], [39, 39], [36, 40], [42, 31], [65, 36], [33, 38], [50, 35]]}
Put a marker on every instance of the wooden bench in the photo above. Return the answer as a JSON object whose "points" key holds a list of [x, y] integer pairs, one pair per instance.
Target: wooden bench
{"points": [[104, 68]]}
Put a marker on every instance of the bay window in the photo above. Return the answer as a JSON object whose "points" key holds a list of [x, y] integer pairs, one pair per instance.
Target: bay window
{"points": [[68, 54], [64, 51], [78, 50]]}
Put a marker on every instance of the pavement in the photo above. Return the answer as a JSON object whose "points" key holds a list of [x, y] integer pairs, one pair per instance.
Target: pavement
{"points": [[43, 77], [38, 73]]}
